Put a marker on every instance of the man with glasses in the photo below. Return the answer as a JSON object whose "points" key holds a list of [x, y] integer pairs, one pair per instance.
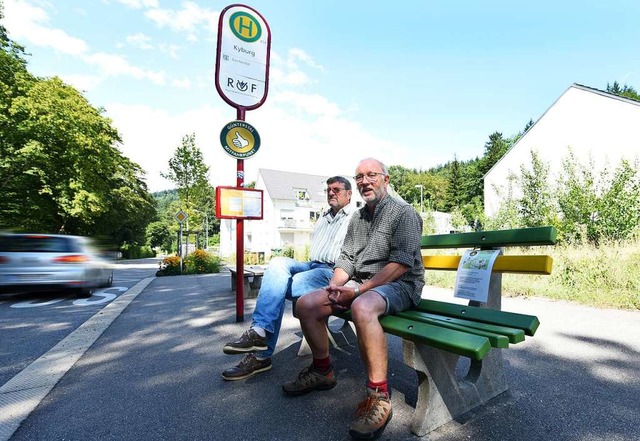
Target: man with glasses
{"points": [[288, 278], [379, 272]]}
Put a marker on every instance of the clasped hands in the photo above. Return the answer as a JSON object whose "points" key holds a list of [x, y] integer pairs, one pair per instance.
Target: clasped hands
{"points": [[340, 297]]}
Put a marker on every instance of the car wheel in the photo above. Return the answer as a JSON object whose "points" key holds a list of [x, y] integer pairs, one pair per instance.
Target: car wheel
{"points": [[109, 281], [84, 293]]}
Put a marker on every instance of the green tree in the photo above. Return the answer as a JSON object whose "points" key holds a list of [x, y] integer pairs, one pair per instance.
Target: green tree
{"points": [[507, 215], [624, 91], [188, 171], [455, 194], [537, 204], [618, 214], [160, 236], [577, 200]]}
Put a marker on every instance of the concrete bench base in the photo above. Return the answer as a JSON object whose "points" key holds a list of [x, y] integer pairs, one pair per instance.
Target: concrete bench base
{"points": [[441, 395], [252, 280]]}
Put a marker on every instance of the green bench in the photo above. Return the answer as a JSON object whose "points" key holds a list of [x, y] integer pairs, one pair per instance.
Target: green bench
{"points": [[436, 334]]}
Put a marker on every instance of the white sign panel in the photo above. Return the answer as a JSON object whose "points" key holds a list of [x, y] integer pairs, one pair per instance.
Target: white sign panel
{"points": [[242, 59], [474, 274]]}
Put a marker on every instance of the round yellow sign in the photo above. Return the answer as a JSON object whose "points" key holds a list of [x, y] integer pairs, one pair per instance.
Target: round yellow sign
{"points": [[240, 139]]}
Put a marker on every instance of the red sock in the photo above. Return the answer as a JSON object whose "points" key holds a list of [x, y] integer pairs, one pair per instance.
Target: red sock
{"points": [[381, 387], [322, 365]]}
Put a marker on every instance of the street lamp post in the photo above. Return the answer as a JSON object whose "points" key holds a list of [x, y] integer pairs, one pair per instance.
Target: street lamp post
{"points": [[420, 186]]}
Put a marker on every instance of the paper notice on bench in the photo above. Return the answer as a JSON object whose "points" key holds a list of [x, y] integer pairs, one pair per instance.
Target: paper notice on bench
{"points": [[474, 274]]}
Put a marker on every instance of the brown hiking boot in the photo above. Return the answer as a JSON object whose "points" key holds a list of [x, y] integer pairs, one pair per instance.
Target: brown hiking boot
{"points": [[372, 416], [309, 379], [248, 367], [250, 341]]}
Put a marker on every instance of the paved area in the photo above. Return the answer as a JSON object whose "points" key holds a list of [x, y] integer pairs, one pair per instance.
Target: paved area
{"points": [[154, 374]]}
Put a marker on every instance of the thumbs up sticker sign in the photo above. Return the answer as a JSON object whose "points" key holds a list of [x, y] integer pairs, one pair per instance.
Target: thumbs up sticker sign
{"points": [[239, 141]]}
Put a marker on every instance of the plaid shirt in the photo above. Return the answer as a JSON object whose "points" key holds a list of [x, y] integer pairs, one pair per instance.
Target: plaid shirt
{"points": [[392, 234]]}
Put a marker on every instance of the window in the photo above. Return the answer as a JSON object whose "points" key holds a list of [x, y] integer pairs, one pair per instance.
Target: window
{"points": [[302, 194]]}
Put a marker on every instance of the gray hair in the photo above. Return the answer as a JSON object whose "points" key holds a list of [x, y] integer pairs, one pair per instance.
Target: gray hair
{"points": [[380, 163]]}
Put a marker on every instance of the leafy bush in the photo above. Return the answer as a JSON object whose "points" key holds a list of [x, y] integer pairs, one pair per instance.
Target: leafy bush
{"points": [[132, 251], [170, 266], [201, 262]]}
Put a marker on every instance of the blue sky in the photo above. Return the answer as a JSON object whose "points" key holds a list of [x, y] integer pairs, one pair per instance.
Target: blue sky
{"points": [[413, 83]]}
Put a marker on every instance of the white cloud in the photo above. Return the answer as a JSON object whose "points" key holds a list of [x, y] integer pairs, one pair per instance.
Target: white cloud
{"points": [[183, 83], [316, 140], [306, 104], [140, 41], [139, 4], [171, 49], [299, 54], [82, 82], [114, 65], [185, 20], [30, 23], [150, 137], [26, 22]]}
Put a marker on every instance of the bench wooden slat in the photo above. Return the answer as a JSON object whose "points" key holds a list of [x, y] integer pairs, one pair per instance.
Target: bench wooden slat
{"points": [[503, 264], [528, 323], [513, 335], [487, 239], [461, 343], [495, 339]]}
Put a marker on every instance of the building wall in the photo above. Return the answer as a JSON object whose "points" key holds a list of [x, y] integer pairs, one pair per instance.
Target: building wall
{"points": [[592, 123]]}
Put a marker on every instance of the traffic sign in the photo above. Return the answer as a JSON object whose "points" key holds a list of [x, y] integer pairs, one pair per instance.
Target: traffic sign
{"points": [[181, 216], [242, 57], [240, 139]]}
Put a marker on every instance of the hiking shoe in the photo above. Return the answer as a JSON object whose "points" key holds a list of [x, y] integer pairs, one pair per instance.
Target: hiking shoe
{"points": [[309, 379], [248, 367], [372, 416], [250, 341]]}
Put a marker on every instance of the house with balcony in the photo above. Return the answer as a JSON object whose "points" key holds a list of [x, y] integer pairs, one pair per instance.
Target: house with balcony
{"points": [[292, 202]]}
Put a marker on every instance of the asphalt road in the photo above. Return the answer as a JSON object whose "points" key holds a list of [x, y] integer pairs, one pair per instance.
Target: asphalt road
{"points": [[153, 373]]}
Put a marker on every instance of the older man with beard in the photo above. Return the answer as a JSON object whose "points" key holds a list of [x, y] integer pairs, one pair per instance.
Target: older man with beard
{"points": [[379, 272]]}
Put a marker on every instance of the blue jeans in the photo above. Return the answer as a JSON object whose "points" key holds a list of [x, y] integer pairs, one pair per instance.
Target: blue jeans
{"points": [[285, 278]]}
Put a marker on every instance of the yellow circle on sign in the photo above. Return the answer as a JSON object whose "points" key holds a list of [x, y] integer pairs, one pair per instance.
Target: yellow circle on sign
{"points": [[240, 140], [245, 27]]}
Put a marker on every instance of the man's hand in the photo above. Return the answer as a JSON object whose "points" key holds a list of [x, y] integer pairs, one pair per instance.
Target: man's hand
{"points": [[340, 297]]}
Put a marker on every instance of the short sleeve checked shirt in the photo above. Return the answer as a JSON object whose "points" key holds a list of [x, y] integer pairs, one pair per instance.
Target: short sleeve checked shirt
{"points": [[392, 234]]}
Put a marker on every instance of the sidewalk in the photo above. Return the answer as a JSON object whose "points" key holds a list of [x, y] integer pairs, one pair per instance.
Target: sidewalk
{"points": [[154, 374]]}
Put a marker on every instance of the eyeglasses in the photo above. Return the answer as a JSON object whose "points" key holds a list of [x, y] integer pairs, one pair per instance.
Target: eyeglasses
{"points": [[371, 177], [334, 190]]}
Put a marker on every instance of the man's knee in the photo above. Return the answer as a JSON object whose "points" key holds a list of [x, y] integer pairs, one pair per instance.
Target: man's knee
{"points": [[309, 305], [368, 307]]}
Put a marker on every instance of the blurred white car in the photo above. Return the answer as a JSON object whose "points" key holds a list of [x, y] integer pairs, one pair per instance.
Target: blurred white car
{"points": [[44, 262]]}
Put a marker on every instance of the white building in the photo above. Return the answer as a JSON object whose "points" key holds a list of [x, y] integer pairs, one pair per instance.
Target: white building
{"points": [[292, 203], [595, 125]]}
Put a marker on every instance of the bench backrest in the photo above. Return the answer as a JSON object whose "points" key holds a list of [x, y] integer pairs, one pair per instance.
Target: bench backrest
{"points": [[520, 237], [492, 239]]}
